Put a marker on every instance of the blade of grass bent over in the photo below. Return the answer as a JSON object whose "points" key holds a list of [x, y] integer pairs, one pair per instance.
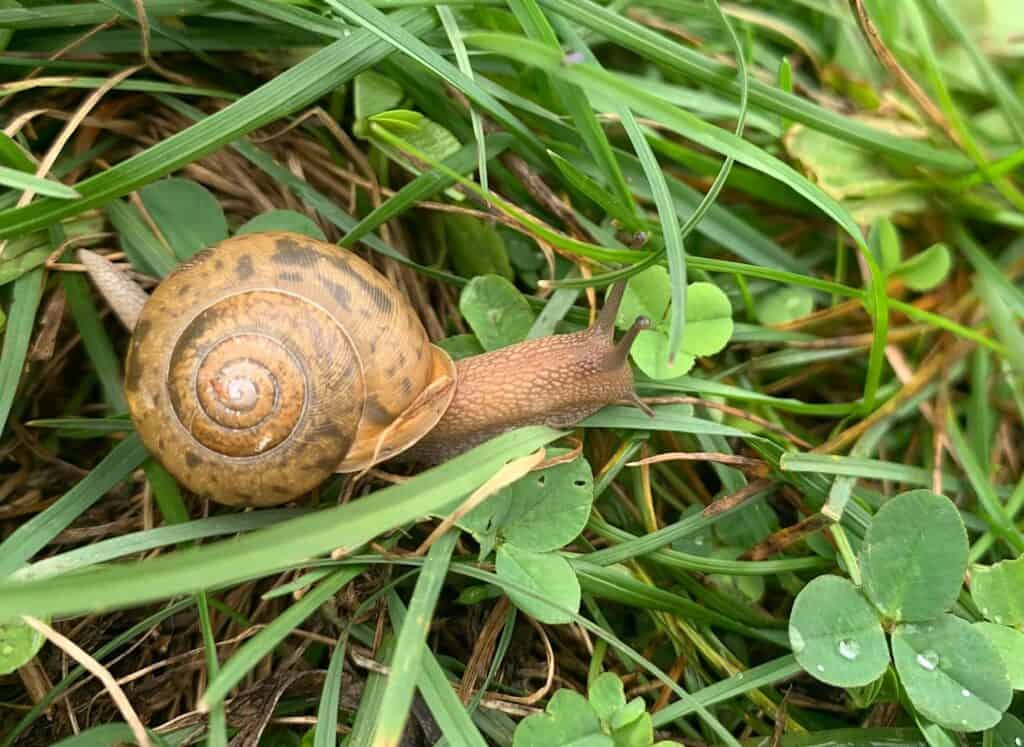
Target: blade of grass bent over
{"points": [[284, 545]]}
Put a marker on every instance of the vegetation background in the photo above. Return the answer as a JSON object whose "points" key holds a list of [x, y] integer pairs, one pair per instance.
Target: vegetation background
{"points": [[814, 539]]}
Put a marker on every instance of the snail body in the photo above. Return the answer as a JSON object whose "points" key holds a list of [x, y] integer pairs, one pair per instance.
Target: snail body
{"points": [[266, 363]]}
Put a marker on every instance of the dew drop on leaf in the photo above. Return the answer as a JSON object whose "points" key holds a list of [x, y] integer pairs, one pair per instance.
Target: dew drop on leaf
{"points": [[7, 650], [965, 692], [820, 668], [849, 649], [928, 660]]}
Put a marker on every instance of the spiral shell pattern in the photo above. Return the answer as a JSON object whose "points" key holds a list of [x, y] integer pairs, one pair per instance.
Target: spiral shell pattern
{"points": [[248, 373]]}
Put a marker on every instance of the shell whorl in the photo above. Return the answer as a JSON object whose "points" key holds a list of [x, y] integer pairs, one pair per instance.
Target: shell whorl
{"points": [[256, 366]]}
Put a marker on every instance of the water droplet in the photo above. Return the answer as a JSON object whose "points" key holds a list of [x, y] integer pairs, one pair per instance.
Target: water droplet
{"points": [[1018, 741], [7, 650], [574, 58], [849, 649], [820, 668], [965, 692], [796, 640], [928, 660]]}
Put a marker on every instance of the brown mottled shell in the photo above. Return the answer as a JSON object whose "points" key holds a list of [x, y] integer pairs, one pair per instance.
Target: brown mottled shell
{"points": [[271, 360]]}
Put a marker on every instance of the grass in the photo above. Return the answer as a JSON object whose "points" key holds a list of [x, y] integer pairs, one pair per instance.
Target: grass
{"points": [[858, 204]]}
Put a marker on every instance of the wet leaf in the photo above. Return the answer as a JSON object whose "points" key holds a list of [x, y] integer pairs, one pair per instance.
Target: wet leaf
{"points": [[953, 675], [845, 647]]}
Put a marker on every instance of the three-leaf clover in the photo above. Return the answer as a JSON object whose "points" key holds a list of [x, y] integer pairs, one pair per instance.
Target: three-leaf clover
{"points": [[913, 562], [602, 719], [709, 322]]}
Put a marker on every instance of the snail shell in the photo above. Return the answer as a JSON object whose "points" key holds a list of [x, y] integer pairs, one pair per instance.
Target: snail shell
{"points": [[272, 360]]}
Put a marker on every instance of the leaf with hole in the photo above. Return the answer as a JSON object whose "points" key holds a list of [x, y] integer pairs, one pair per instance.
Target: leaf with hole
{"points": [[844, 647], [1009, 642], [282, 220], [545, 574], [549, 508], [19, 643], [998, 590], [952, 674], [926, 269], [784, 305], [914, 556], [496, 311], [186, 214]]}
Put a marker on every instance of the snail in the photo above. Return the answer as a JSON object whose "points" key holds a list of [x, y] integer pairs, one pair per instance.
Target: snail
{"points": [[268, 362]]}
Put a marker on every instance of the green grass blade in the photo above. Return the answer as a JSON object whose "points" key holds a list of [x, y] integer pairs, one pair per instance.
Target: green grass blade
{"points": [[396, 36], [21, 181], [263, 643], [411, 638], [649, 44], [994, 512], [538, 28], [105, 361], [140, 628], [62, 15], [151, 539], [763, 675], [439, 694], [35, 534], [21, 316], [281, 546], [451, 27], [327, 711], [299, 86]]}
